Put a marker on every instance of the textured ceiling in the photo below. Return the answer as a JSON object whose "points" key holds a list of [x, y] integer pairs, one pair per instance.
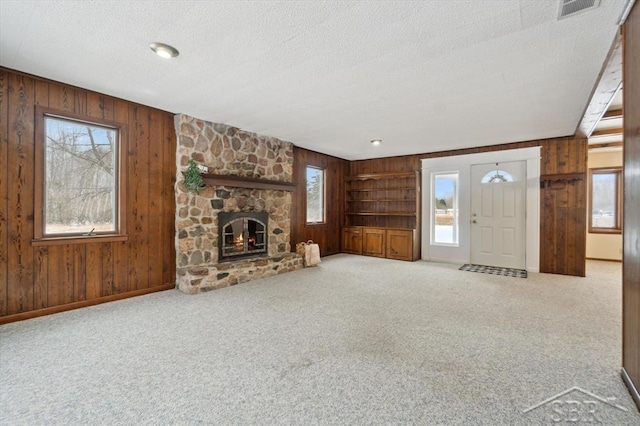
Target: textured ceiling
{"points": [[610, 124], [330, 76]]}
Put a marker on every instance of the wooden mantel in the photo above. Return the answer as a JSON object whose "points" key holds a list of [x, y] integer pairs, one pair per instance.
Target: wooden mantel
{"points": [[244, 182]]}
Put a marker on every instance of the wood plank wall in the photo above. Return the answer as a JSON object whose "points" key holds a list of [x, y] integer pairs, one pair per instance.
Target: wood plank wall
{"points": [[43, 279], [406, 163], [327, 235], [563, 212], [631, 232], [563, 221]]}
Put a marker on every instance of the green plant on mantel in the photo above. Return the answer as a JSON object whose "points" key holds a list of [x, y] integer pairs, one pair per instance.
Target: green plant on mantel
{"points": [[192, 178]]}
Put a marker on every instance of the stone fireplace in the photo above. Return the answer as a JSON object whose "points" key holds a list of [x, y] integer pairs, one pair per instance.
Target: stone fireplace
{"points": [[232, 231]]}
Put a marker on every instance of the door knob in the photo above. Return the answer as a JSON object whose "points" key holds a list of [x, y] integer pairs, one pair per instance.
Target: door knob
{"points": [[474, 221]]}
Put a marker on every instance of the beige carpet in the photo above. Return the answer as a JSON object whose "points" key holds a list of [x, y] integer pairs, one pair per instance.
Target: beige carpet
{"points": [[357, 340]]}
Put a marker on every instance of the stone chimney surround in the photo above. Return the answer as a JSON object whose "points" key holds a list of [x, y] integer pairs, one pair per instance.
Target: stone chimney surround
{"points": [[243, 168]]}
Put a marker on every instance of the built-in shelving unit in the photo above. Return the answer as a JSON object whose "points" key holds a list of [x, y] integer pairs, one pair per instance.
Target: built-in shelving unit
{"points": [[382, 215], [387, 200]]}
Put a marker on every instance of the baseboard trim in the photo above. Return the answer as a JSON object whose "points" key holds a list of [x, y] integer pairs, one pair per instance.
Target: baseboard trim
{"points": [[82, 304], [632, 388], [446, 260], [604, 260]]}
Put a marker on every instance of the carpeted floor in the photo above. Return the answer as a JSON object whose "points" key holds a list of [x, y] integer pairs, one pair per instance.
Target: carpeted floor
{"points": [[356, 340]]}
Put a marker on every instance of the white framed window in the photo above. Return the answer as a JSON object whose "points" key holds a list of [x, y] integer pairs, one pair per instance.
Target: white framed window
{"points": [[315, 178], [444, 211]]}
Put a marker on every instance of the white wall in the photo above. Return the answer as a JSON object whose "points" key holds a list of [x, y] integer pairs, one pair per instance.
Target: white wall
{"points": [[461, 253], [604, 246]]}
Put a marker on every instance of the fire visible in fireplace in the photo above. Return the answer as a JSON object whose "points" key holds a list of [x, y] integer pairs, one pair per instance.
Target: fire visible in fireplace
{"points": [[242, 234], [235, 236]]}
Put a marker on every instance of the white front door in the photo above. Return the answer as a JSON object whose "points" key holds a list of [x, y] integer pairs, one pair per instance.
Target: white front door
{"points": [[498, 214]]}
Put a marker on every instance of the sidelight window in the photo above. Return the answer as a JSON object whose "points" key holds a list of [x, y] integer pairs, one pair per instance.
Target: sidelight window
{"points": [[444, 213]]}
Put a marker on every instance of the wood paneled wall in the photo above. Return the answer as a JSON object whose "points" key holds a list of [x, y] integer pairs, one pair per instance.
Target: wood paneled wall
{"points": [[46, 278], [563, 212], [406, 163], [327, 235], [631, 231], [563, 218]]}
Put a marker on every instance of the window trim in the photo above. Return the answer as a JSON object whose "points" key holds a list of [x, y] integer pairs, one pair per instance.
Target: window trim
{"points": [[619, 196], [120, 234], [324, 194]]}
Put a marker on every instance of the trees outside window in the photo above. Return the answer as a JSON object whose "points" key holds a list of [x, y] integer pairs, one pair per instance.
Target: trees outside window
{"points": [[315, 195], [78, 177]]}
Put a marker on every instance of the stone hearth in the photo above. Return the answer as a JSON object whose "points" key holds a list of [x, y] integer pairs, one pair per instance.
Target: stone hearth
{"points": [[226, 150]]}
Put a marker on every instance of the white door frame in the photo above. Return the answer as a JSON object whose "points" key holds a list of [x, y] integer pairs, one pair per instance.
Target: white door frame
{"points": [[461, 252]]}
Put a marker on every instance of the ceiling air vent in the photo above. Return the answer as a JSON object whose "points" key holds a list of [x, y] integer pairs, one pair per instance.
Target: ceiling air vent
{"points": [[573, 7]]}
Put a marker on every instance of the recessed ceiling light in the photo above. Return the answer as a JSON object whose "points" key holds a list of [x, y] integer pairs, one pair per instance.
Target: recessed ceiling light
{"points": [[376, 142], [164, 50]]}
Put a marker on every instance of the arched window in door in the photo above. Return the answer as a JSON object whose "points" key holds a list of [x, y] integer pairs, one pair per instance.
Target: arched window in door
{"points": [[497, 176]]}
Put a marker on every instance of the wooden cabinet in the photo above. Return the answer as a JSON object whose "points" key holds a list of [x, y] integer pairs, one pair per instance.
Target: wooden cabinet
{"points": [[352, 240], [383, 215], [373, 243], [400, 244]]}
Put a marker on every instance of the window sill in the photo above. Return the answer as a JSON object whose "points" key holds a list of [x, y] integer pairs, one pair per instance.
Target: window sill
{"points": [[315, 223], [605, 231], [435, 244], [89, 239]]}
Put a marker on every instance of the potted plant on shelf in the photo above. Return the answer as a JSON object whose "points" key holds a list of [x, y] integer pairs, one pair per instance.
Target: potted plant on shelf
{"points": [[193, 178]]}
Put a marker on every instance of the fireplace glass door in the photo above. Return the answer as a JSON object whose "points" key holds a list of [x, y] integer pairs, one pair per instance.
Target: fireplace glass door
{"points": [[243, 235]]}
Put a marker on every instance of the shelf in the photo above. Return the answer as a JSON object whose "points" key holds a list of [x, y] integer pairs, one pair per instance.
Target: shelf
{"points": [[381, 201], [378, 227], [381, 214], [392, 188], [376, 176], [242, 182]]}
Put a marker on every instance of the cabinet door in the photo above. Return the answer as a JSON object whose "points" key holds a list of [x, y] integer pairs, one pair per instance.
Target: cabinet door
{"points": [[352, 240], [400, 244], [373, 242]]}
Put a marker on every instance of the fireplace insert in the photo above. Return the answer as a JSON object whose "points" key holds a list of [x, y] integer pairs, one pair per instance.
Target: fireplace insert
{"points": [[242, 235]]}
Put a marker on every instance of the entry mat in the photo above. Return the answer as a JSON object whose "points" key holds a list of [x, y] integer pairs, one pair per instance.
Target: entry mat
{"points": [[508, 272]]}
